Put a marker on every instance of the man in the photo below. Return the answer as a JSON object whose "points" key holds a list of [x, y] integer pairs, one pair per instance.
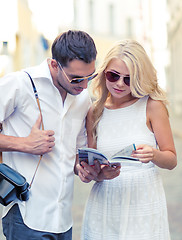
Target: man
{"points": [[64, 102]]}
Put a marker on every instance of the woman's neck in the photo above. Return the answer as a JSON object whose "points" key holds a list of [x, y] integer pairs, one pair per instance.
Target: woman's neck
{"points": [[114, 103]]}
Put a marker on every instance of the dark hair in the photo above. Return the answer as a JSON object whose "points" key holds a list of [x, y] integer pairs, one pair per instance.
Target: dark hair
{"points": [[73, 45]]}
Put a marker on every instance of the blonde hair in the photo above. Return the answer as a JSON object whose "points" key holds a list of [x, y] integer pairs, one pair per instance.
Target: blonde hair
{"points": [[143, 76]]}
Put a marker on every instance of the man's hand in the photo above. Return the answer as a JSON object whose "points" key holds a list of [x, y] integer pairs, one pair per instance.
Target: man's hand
{"points": [[108, 172], [39, 141], [97, 172], [88, 173]]}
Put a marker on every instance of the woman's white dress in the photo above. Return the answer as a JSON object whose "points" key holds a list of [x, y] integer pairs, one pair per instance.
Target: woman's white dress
{"points": [[133, 205]]}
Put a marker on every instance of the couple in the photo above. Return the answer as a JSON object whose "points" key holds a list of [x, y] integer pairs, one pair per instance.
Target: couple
{"points": [[126, 202]]}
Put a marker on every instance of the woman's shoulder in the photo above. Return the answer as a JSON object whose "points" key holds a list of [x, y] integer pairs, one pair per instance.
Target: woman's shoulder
{"points": [[155, 103], [90, 112], [156, 107]]}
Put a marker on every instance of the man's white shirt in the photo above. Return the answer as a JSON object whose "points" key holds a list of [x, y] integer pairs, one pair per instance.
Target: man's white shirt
{"points": [[49, 206]]}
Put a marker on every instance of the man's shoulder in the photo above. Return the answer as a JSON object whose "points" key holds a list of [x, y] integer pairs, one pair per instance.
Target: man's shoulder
{"points": [[12, 78]]}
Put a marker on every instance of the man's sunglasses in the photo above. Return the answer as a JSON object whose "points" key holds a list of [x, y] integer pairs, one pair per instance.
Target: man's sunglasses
{"points": [[113, 77], [77, 80]]}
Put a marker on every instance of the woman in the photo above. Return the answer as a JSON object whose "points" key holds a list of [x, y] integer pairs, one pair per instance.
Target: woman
{"points": [[130, 107]]}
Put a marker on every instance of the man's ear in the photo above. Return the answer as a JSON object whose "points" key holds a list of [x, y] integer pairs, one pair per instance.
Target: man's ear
{"points": [[54, 65]]}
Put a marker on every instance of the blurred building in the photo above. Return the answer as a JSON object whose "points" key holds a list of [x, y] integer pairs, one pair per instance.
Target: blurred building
{"points": [[20, 43], [108, 21], [112, 20], [174, 68]]}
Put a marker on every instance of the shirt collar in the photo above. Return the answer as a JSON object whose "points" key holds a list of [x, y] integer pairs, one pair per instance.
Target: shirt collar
{"points": [[40, 71], [43, 71]]}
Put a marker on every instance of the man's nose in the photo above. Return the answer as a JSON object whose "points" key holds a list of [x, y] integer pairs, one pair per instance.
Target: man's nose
{"points": [[84, 84]]}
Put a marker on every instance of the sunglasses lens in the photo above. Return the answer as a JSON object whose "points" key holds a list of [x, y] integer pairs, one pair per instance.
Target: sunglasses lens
{"points": [[74, 81], [112, 77], [78, 80], [127, 80], [93, 76]]}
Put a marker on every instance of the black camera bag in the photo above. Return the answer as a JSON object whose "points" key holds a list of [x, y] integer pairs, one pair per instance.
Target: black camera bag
{"points": [[12, 185]]}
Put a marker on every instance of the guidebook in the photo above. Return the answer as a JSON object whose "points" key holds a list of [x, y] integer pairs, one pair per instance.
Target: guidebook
{"points": [[90, 154]]}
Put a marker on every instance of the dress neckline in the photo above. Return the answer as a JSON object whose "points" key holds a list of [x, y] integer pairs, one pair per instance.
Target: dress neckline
{"points": [[127, 107]]}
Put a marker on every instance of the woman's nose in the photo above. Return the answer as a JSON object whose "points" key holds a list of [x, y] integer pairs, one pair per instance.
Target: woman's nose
{"points": [[120, 81]]}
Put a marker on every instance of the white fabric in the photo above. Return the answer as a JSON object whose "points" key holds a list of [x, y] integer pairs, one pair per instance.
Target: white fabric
{"points": [[49, 206], [131, 206]]}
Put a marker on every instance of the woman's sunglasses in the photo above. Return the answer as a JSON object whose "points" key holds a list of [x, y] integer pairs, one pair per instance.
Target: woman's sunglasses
{"points": [[113, 77]]}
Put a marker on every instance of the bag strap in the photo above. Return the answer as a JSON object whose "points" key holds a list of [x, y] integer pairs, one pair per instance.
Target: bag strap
{"points": [[38, 103], [1, 128]]}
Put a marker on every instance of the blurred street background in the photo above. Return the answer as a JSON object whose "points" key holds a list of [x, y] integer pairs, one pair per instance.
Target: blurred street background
{"points": [[28, 27]]}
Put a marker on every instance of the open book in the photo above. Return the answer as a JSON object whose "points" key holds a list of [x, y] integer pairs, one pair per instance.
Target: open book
{"points": [[90, 154]]}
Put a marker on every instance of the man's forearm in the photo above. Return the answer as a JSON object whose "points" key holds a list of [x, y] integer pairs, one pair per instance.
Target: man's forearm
{"points": [[11, 143]]}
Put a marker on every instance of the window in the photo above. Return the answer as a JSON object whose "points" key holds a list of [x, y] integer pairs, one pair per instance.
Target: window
{"points": [[111, 19], [91, 15], [129, 27]]}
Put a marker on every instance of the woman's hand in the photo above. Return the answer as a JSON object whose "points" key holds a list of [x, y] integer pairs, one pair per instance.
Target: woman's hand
{"points": [[144, 153]]}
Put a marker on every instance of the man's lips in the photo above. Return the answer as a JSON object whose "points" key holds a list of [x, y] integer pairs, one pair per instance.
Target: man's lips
{"points": [[79, 89]]}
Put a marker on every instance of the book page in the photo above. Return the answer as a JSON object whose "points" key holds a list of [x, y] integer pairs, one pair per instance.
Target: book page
{"points": [[89, 155], [124, 154]]}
